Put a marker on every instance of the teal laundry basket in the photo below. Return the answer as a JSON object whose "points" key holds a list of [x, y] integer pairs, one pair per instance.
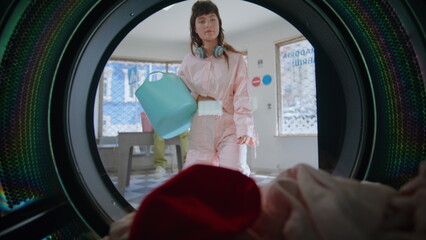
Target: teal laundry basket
{"points": [[168, 104]]}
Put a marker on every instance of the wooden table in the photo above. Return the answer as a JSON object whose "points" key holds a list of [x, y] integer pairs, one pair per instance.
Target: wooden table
{"points": [[126, 141]]}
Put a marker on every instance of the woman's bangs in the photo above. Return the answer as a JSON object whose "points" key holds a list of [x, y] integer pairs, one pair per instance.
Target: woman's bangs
{"points": [[205, 8]]}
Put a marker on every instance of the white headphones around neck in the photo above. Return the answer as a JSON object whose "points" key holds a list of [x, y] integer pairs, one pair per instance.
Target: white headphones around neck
{"points": [[217, 51]]}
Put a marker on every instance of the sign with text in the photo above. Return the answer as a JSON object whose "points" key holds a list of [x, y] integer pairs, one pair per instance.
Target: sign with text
{"points": [[298, 90]]}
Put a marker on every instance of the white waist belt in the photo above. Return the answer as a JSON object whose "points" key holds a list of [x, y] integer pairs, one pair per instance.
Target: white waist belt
{"points": [[209, 108]]}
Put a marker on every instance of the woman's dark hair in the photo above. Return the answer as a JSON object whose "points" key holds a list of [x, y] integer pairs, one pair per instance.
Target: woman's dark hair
{"points": [[203, 7]]}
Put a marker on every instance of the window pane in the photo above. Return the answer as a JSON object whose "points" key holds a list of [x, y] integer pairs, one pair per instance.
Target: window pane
{"points": [[297, 108], [173, 68], [121, 110]]}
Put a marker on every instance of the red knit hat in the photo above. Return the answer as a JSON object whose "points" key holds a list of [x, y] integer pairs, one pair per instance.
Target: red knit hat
{"points": [[201, 202]]}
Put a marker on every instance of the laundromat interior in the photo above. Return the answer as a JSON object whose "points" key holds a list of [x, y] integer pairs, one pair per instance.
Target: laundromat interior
{"points": [[359, 111]]}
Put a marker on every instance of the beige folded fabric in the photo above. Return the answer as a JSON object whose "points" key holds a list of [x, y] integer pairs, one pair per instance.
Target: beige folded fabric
{"points": [[305, 203]]}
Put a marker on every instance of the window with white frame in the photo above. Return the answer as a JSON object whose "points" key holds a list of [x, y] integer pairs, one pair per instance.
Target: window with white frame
{"points": [[121, 111], [297, 109]]}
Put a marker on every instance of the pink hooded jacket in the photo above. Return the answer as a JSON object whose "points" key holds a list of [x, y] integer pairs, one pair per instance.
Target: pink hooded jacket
{"points": [[227, 83]]}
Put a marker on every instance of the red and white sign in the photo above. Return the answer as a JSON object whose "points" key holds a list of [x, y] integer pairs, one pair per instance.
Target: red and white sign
{"points": [[256, 81]]}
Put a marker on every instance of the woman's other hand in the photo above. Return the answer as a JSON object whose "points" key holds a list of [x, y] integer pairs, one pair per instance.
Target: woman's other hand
{"points": [[243, 139]]}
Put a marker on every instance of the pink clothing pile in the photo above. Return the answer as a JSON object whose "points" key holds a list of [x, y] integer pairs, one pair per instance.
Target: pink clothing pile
{"points": [[305, 203]]}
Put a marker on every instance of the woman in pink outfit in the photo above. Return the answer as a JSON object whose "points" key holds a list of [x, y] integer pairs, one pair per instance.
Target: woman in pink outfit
{"points": [[217, 76]]}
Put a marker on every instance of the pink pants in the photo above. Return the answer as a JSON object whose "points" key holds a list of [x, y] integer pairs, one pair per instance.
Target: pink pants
{"points": [[213, 141]]}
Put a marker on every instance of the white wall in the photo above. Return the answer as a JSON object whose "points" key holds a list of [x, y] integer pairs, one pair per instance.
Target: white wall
{"points": [[273, 153], [149, 50]]}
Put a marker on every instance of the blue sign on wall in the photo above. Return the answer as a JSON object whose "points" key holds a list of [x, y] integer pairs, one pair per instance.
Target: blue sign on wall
{"points": [[267, 79]]}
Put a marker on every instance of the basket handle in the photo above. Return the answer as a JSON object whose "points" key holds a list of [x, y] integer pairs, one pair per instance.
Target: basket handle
{"points": [[152, 73]]}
